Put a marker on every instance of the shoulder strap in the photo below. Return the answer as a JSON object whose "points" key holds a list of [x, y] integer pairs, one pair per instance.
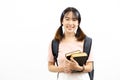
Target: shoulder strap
{"points": [[87, 48], [55, 46], [87, 45]]}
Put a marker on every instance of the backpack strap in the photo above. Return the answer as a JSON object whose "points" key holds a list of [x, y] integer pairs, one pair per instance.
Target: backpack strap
{"points": [[87, 48], [55, 46], [87, 45]]}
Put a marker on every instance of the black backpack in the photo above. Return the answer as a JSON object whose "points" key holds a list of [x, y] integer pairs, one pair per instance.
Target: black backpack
{"points": [[87, 48]]}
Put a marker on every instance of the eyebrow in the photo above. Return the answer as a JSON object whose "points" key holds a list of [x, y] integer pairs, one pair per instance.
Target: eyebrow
{"points": [[66, 17], [72, 17]]}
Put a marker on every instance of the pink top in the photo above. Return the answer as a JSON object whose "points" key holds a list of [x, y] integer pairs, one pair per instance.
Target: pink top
{"points": [[66, 48]]}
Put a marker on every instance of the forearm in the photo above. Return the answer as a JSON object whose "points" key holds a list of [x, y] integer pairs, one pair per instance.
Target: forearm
{"points": [[88, 67], [53, 68]]}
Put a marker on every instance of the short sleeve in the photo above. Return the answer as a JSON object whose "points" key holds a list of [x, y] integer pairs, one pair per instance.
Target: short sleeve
{"points": [[91, 55], [50, 55]]}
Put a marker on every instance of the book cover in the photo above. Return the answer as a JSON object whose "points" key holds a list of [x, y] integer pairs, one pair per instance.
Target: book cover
{"points": [[80, 57]]}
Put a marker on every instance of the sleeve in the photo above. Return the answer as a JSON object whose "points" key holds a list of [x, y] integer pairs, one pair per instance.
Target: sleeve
{"points": [[91, 55], [50, 55]]}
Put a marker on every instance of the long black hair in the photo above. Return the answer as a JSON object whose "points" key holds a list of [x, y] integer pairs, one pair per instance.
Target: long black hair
{"points": [[79, 34]]}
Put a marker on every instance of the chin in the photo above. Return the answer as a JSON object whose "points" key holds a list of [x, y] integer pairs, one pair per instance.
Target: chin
{"points": [[70, 31]]}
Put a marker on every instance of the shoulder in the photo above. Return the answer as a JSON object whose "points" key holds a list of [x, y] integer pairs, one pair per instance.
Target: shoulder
{"points": [[88, 38], [54, 43]]}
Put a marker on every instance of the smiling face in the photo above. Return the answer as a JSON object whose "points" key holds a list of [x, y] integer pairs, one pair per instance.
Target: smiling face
{"points": [[70, 22]]}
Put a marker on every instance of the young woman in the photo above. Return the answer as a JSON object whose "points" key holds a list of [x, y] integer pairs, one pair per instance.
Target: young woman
{"points": [[71, 38]]}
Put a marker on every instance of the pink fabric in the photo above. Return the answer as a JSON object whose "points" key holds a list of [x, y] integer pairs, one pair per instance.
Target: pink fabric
{"points": [[66, 48]]}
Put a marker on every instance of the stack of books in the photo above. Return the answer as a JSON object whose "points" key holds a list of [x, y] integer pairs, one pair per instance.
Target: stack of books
{"points": [[80, 57]]}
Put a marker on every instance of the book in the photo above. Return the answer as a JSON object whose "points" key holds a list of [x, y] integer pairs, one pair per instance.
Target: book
{"points": [[80, 57]]}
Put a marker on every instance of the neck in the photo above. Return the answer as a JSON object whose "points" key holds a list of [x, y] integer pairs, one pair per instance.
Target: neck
{"points": [[70, 36]]}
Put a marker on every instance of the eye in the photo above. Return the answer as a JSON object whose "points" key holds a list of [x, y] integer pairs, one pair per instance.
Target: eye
{"points": [[74, 19], [67, 19]]}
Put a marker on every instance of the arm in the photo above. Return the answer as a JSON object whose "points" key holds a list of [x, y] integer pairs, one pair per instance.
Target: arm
{"points": [[53, 68], [66, 68], [88, 67], [90, 62], [51, 64]]}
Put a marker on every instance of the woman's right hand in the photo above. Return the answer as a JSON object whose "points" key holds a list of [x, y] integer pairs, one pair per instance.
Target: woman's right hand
{"points": [[66, 67]]}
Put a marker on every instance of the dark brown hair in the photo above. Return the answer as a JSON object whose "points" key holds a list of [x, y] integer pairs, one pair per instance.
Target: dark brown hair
{"points": [[79, 34]]}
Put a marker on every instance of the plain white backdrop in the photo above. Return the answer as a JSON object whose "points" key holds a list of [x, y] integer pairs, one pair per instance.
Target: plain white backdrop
{"points": [[28, 26]]}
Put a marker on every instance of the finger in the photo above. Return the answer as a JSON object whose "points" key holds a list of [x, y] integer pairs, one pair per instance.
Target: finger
{"points": [[67, 71], [73, 60]]}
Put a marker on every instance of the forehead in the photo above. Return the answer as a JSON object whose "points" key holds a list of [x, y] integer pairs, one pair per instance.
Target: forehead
{"points": [[70, 15]]}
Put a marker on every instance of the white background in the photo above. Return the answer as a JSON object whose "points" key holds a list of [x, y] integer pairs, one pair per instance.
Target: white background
{"points": [[27, 27]]}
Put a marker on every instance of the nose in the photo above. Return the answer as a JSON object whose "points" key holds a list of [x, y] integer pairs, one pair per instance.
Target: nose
{"points": [[70, 22]]}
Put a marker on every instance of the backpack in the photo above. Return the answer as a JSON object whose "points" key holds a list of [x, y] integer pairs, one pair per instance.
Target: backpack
{"points": [[86, 48]]}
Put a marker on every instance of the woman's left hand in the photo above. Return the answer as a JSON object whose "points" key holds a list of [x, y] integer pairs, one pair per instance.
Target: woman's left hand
{"points": [[73, 64]]}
